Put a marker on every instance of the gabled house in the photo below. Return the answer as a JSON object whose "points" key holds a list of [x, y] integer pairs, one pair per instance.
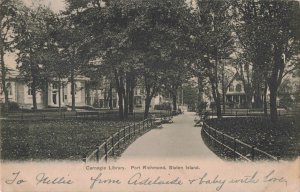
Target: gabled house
{"points": [[235, 93]]}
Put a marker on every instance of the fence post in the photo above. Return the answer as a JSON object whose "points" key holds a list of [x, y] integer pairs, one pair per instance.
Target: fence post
{"points": [[124, 131], [223, 138], [113, 145], [134, 128], [252, 153], [84, 159], [234, 149], [118, 139], [105, 151], [143, 125], [129, 131], [97, 155]]}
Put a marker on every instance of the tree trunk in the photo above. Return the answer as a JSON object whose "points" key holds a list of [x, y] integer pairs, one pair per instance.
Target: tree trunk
{"points": [[131, 94], [3, 77], [45, 95], [110, 95], [174, 101], [200, 90], [247, 85], [33, 89], [126, 98], [59, 94], [73, 88], [88, 94], [273, 105], [265, 99], [121, 92], [275, 80], [131, 100], [223, 87], [147, 107], [216, 96], [257, 96], [120, 103], [248, 98]]}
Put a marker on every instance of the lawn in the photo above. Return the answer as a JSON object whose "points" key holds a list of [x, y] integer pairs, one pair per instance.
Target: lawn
{"points": [[279, 140], [68, 139]]}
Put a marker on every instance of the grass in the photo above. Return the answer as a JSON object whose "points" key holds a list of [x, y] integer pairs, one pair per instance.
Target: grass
{"points": [[279, 140], [54, 140]]}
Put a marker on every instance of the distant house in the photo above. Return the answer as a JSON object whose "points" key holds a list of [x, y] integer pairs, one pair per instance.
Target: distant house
{"points": [[99, 98], [235, 93], [236, 96], [21, 93]]}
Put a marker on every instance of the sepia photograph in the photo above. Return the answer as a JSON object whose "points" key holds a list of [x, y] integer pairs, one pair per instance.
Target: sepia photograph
{"points": [[150, 95]]}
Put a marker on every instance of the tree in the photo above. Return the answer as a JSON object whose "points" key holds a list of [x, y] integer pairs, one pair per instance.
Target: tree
{"points": [[162, 37], [190, 96], [32, 42], [276, 31], [8, 10], [74, 44], [213, 42]]}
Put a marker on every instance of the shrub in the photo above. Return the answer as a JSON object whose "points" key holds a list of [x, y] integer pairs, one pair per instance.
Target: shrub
{"points": [[12, 107], [163, 106]]}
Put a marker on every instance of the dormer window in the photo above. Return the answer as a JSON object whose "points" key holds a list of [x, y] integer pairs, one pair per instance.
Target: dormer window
{"points": [[238, 88], [54, 86]]}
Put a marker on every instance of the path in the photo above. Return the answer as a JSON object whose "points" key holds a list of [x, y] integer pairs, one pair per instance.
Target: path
{"points": [[179, 139]]}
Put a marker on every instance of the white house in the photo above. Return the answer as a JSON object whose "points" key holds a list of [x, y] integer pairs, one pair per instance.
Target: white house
{"points": [[20, 92]]}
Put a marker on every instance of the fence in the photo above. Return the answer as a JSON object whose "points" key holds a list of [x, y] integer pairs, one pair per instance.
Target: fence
{"points": [[84, 115], [249, 112], [239, 148], [115, 141]]}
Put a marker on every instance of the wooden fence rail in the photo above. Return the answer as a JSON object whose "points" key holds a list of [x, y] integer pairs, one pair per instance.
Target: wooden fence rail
{"points": [[239, 148], [109, 146]]}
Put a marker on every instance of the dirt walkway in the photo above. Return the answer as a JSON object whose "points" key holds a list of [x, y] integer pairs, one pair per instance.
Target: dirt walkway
{"points": [[177, 140]]}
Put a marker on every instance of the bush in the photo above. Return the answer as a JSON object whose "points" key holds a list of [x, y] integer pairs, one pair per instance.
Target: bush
{"points": [[201, 106], [163, 106], [12, 107]]}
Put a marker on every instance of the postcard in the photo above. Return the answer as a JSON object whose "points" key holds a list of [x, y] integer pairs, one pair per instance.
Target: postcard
{"points": [[147, 95]]}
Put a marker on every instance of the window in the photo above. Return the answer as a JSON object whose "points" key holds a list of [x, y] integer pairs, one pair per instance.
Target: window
{"points": [[238, 88], [141, 91], [231, 88], [29, 91], [54, 86], [9, 88]]}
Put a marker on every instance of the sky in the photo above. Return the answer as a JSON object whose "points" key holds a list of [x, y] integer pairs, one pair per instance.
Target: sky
{"points": [[55, 5]]}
